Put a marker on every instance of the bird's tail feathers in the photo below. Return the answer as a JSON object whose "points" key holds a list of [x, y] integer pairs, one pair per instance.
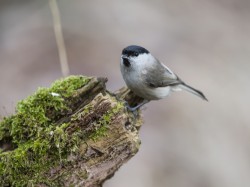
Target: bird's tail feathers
{"points": [[192, 90]]}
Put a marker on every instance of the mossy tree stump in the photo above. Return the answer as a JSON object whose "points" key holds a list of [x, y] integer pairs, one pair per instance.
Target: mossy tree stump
{"points": [[74, 133]]}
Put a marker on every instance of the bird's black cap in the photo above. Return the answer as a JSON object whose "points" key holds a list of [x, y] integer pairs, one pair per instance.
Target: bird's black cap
{"points": [[134, 50]]}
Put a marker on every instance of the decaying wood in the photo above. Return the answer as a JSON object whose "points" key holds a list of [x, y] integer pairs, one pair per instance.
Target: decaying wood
{"points": [[104, 156], [99, 158]]}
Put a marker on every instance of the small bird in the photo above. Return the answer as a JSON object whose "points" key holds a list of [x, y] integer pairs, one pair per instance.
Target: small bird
{"points": [[148, 78]]}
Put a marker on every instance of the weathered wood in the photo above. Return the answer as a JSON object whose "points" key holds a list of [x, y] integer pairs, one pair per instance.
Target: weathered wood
{"points": [[97, 129]]}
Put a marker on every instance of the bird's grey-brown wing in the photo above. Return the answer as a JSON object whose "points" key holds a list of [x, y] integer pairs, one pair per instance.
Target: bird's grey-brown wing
{"points": [[160, 76]]}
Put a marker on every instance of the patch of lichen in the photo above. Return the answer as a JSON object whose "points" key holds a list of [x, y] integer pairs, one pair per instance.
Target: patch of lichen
{"points": [[41, 142]]}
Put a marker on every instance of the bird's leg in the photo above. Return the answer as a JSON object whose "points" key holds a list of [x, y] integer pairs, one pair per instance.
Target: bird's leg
{"points": [[132, 109]]}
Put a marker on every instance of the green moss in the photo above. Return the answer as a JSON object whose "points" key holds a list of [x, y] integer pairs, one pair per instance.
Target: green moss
{"points": [[41, 110], [19, 166], [41, 142], [27, 164]]}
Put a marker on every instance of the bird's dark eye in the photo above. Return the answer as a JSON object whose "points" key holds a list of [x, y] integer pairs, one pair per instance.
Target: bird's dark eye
{"points": [[126, 62], [136, 53]]}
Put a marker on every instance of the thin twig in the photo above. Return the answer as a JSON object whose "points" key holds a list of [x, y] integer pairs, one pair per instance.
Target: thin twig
{"points": [[59, 37]]}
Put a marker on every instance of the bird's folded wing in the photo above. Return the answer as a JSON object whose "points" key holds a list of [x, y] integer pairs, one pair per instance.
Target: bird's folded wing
{"points": [[160, 76]]}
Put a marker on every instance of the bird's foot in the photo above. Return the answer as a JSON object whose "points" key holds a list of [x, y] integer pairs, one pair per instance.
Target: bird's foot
{"points": [[134, 109]]}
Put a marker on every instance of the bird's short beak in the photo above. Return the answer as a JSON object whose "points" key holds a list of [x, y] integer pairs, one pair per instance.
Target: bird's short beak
{"points": [[124, 57]]}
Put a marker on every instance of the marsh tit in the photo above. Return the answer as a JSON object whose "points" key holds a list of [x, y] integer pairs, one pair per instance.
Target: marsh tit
{"points": [[148, 78]]}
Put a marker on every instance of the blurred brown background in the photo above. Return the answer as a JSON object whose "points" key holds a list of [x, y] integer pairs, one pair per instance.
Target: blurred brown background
{"points": [[186, 142]]}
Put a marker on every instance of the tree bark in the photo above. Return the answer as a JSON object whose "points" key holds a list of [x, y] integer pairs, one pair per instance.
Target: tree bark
{"points": [[110, 138]]}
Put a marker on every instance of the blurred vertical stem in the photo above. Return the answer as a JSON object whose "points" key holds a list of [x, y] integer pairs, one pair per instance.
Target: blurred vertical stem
{"points": [[59, 37]]}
